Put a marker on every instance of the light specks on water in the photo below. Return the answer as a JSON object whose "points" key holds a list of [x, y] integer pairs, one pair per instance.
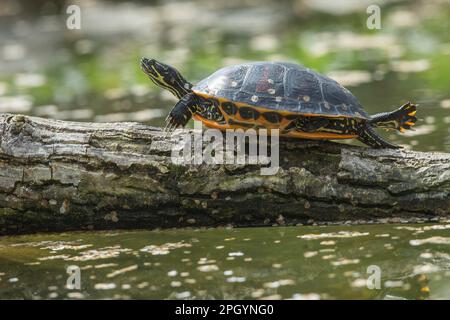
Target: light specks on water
{"points": [[72, 295], [431, 240], [236, 279], [105, 286], [208, 268], [304, 267], [165, 248], [340, 234], [235, 254], [309, 254], [122, 271]]}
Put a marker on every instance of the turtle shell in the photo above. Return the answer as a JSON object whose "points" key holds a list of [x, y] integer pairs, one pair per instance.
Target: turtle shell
{"points": [[282, 86]]}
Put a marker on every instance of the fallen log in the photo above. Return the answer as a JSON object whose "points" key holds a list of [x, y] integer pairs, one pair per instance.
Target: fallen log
{"points": [[57, 175]]}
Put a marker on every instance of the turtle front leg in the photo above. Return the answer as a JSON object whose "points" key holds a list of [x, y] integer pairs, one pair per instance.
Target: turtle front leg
{"points": [[182, 112]]}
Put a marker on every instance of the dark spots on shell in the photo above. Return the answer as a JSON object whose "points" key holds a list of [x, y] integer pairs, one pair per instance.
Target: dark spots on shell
{"points": [[214, 102], [248, 113], [291, 117], [272, 117], [229, 108], [211, 110], [239, 123]]}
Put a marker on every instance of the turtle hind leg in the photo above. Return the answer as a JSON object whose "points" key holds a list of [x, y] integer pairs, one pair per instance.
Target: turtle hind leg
{"points": [[367, 135], [182, 112], [401, 119], [307, 124]]}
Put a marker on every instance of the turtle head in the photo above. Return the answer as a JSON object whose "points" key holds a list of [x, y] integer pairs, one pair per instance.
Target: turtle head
{"points": [[166, 77]]}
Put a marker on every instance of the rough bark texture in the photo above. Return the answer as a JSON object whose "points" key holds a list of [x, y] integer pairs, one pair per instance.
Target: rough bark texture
{"points": [[57, 175]]}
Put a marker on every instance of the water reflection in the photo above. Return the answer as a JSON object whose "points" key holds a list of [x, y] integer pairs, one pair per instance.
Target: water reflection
{"points": [[313, 262]]}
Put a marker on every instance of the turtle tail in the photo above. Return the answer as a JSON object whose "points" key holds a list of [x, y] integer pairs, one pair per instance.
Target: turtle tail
{"points": [[401, 119]]}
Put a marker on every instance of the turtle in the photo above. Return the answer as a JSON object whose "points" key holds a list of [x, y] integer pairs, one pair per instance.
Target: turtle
{"points": [[298, 101]]}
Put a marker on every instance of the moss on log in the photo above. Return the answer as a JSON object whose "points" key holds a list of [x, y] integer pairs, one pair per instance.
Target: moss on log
{"points": [[57, 175]]}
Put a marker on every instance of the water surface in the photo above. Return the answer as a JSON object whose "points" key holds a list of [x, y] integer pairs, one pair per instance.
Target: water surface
{"points": [[305, 262]]}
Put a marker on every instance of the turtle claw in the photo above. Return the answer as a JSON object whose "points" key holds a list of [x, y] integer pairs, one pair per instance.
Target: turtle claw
{"points": [[171, 126]]}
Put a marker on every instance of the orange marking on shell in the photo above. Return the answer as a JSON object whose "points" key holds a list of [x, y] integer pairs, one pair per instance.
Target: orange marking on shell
{"points": [[409, 123], [412, 113], [293, 134]]}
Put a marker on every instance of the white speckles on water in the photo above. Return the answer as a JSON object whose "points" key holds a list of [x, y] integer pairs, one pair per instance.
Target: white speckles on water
{"points": [[236, 279], [172, 273], [394, 284], [426, 268], [310, 254], [175, 284], [426, 255], [53, 295], [190, 281], [122, 271], [307, 296], [431, 240], [344, 262], [258, 293], [105, 265], [164, 248], [105, 286], [75, 295], [183, 295], [279, 283], [208, 268], [340, 234]]}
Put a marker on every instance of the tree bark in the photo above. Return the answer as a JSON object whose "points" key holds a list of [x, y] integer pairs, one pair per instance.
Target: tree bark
{"points": [[57, 175]]}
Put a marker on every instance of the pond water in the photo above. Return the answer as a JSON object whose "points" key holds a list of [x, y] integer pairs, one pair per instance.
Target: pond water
{"points": [[93, 74], [306, 262]]}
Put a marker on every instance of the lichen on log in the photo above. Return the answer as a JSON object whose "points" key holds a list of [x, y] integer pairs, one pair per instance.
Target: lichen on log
{"points": [[58, 175]]}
